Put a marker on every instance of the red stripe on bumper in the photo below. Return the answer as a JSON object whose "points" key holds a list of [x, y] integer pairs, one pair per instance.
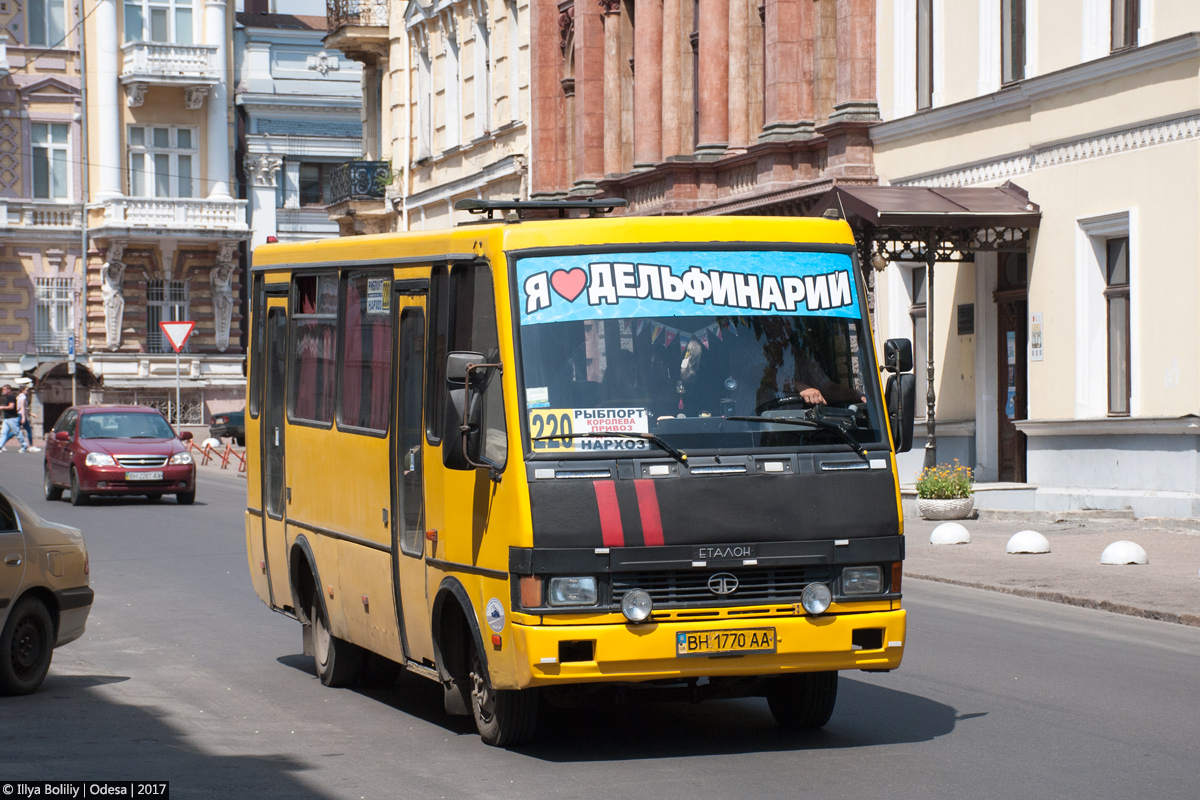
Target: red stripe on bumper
{"points": [[610, 514], [647, 495]]}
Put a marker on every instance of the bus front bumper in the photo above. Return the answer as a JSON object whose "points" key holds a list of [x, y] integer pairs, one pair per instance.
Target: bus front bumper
{"points": [[647, 652]]}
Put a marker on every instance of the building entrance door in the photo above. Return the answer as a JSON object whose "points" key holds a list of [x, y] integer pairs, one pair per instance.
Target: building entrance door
{"points": [[1012, 317]]}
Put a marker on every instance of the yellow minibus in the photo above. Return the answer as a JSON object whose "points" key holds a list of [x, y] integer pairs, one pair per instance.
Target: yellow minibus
{"points": [[558, 452]]}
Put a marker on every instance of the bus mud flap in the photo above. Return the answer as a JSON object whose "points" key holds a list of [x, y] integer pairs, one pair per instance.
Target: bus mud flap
{"points": [[457, 697]]}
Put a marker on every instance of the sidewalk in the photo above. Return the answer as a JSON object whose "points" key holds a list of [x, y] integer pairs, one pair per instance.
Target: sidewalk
{"points": [[213, 466], [1168, 588]]}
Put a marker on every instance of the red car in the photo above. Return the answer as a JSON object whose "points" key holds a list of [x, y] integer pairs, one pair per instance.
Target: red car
{"points": [[118, 450]]}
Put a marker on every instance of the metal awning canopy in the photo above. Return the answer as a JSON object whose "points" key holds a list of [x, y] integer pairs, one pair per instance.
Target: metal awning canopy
{"points": [[900, 222]]}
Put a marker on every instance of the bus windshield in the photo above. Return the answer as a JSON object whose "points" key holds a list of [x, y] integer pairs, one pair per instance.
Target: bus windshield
{"points": [[706, 350]]}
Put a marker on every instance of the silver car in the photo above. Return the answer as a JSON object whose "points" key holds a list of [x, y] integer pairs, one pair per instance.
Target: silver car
{"points": [[44, 593]]}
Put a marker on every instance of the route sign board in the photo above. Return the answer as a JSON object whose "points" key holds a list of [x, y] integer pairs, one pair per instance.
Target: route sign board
{"points": [[177, 333]]}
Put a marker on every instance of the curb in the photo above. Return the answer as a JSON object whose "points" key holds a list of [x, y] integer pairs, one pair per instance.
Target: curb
{"points": [[1191, 620]]}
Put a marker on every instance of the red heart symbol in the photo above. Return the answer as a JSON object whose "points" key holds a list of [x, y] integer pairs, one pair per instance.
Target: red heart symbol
{"points": [[569, 283]]}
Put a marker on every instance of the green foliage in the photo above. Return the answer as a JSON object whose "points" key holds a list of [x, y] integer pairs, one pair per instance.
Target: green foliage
{"points": [[945, 482]]}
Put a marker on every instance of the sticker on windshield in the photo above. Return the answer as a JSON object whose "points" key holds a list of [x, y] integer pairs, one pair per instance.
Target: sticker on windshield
{"points": [[685, 283], [586, 430]]}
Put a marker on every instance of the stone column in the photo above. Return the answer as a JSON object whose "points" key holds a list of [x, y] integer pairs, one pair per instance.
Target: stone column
{"points": [[739, 73], [855, 90], [262, 173], [217, 151], [714, 79], [612, 86], [788, 71], [105, 88], [672, 79], [589, 99], [547, 26], [648, 84]]}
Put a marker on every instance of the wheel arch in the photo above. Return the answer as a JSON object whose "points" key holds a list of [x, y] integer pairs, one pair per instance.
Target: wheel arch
{"points": [[453, 610], [304, 579]]}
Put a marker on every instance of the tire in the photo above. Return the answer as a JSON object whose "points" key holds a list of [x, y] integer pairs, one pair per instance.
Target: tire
{"points": [[26, 645], [185, 498], [78, 498], [803, 701], [339, 663], [504, 718], [241, 441], [52, 492]]}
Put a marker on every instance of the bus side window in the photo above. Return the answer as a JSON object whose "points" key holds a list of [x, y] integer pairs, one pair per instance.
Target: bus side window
{"points": [[473, 328], [435, 386]]}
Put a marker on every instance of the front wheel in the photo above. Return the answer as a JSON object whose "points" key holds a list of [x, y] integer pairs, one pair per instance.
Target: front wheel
{"points": [[51, 491], [339, 663], [26, 644], [78, 498], [503, 718], [803, 701], [185, 498]]}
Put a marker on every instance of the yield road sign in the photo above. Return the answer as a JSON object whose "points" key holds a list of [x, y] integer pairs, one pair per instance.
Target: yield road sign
{"points": [[177, 332]]}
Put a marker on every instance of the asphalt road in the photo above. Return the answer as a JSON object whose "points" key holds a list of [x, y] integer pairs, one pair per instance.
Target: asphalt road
{"points": [[185, 676]]}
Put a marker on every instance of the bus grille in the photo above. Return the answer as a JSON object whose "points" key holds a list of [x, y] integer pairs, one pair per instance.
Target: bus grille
{"points": [[685, 588]]}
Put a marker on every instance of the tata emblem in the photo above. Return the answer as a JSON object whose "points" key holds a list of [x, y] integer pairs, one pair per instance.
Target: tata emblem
{"points": [[723, 583]]}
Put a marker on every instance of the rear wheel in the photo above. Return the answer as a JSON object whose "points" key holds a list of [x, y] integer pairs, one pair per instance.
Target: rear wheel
{"points": [[503, 718], [52, 492], [339, 663], [78, 498], [185, 498], [803, 701], [26, 644]]}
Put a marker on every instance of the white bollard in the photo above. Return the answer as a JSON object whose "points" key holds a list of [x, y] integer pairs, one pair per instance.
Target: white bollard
{"points": [[950, 533], [210, 442], [1027, 542], [1124, 552]]}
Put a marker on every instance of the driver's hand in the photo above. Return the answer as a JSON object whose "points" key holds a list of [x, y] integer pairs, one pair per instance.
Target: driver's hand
{"points": [[813, 395]]}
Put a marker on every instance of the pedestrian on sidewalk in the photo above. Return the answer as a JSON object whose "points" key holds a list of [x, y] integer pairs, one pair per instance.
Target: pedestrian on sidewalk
{"points": [[25, 421], [10, 428]]}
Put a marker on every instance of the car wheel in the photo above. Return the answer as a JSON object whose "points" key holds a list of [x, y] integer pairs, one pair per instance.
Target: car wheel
{"points": [[26, 644], [339, 663], [803, 701], [241, 441], [185, 498], [503, 718], [78, 498], [52, 492]]}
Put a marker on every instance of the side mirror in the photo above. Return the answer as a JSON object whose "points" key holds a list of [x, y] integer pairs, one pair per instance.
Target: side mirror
{"points": [[901, 399], [897, 355], [185, 436], [62, 436], [467, 379]]}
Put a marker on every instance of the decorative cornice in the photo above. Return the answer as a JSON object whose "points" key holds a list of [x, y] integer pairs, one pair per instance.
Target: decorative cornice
{"points": [[1068, 152], [1021, 95], [1110, 426]]}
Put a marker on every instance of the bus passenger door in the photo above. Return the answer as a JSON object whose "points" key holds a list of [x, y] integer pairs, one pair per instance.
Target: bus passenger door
{"points": [[271, 441], [408, 498]]}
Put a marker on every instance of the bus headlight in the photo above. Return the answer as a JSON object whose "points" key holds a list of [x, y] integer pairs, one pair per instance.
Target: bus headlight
{"points": [[636, 605], [862, 580], [572, 591], [99, 460], [816, 598]]}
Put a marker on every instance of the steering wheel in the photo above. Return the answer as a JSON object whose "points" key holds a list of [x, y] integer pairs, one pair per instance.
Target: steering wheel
{"points": [[780, 402]]}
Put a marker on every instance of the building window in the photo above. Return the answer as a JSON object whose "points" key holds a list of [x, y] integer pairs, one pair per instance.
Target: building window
{"points": [[920, 336], [1012, 40], [166, 301], [49, 151], [1125, 17], [161, 161], [924, 54], [314, 184], [1116, 297], [166, 21], [47, 22], [54, 305]]}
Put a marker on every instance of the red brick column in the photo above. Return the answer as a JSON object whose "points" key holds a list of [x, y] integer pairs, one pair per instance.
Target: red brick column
{"points": [[648, 84], [790, 33], [714, 78]]}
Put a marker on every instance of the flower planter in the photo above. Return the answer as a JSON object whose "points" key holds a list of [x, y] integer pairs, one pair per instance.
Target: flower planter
{"points": [[957, 508]]}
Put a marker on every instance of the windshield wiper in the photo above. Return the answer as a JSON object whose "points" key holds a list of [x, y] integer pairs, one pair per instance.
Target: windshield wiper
{"points": [[673, 452], [815, 424]]}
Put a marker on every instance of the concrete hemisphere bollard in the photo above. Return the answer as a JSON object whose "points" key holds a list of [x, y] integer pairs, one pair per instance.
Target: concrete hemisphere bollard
{"points": [[950, 533], [211, 442], [1124, 552], [1027, 542]]}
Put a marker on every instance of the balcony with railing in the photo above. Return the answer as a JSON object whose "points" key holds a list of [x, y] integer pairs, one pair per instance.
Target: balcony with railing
{"points": [[358, 197], [358, 28], [191, 214], [191, 66], [356, 13], [42, 215]]}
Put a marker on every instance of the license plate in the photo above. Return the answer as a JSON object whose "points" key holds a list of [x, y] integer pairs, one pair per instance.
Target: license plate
{"points": [[711, 643], [143, 476]]}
